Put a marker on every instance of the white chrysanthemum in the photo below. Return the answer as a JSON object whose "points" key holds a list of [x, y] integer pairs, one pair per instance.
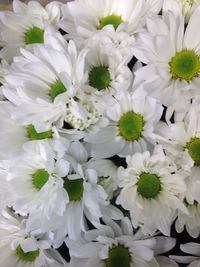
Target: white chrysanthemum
{"points": [[41, 83], [22, 249], [190, 221], [112, 245], [185, 6], [107, 71], [35, 178], [132, 120], [171, 53], [193, 260], [82, 18], [25, 26], [148, 186]]}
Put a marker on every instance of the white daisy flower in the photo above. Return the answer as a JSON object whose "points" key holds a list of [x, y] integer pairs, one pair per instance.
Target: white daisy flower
{"points": [[193, 260], [35, 178], [151, 184], [25, 26], [41, 83], [171, 53], [22, 249], [111, 245], [107, 71], [83, 18], [132, 120], [185, 6]]}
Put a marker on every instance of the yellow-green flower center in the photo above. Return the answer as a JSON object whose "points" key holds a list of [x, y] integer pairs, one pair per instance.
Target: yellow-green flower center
{"points": [[99, 77], [118, 256], [34, 135], [30, 256], [193, 147], [39, 178], [74, 189], [185, 65], [34, 35], [56, 89], [131, 126], [113, 19], [149, 185]]}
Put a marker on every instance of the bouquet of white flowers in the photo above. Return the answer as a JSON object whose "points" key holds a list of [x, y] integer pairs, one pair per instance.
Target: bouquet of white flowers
{"points": [[100, 133]]}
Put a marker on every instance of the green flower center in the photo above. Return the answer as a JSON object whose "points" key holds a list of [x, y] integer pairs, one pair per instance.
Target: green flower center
{"points": [[131, 125], [30, 256], [34, 35], [149, 185], [193, 147], [34, 135], [113, 19], [74, 189], [56, 89], [118, 256], [99, 77], [185, 65], [39, 178]]}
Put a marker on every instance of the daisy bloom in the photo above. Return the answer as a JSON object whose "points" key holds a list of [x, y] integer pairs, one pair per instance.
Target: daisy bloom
{"points": [[171, 53], [112, 245], [41, 83], [25, 26], [20, 248], [35, 178], [148, 186], [107, 72], [81, 19], [132, 120]]}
